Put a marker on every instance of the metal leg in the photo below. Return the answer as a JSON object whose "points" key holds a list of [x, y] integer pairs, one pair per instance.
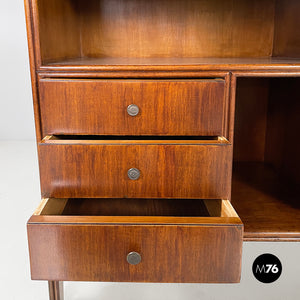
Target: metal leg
{"points": [[56, 290]]}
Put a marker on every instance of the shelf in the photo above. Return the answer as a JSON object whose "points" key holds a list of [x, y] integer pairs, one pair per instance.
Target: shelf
{"points": [[127, 63], [268, 207], [145, 36]]}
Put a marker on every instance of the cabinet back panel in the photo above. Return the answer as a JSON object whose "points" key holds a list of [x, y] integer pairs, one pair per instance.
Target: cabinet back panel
{"points": [[283, 127], [267, 124], [170, 28], [164, 28]]}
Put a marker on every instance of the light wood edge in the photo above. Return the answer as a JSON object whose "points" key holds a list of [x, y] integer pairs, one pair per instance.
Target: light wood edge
{"points": [[47, 138], [220, 208], [223, 139], [40, 207], [228, 210], [226, 103], [231, 108], [133, 221], [50, 139], [51, 206], [216, 208]]}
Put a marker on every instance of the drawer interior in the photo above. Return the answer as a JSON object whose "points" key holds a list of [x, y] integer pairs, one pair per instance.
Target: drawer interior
{"points": [[130, 137], [136, 207]]}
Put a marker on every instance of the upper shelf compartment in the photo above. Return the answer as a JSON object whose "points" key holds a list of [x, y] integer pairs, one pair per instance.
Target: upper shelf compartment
{"points": [[166, 32]]}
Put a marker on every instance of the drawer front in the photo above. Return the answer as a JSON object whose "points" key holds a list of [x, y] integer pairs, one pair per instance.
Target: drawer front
{"points": [[168, 253], [165, 170], [173, 107], [96, 249]]}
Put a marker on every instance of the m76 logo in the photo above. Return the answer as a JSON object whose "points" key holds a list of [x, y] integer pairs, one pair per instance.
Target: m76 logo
{"points": [[267, 268]]}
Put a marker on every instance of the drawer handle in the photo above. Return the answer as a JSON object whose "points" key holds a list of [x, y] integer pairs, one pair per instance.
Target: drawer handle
{"points": [[133, 110], [133, 173], [134, 258]]}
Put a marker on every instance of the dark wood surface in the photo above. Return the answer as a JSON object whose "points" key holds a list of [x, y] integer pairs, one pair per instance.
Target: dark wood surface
{"points": [[167, 171], [267, 205], [251, 107], [96, 252], [193, 40], [286, 33], [283, 126], [167, 107], [135, 207]]}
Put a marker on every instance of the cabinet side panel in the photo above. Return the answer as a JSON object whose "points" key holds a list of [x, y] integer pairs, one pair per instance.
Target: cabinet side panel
{"points": [[250, 119], [33, 50], [59, 30], [287, 33]]}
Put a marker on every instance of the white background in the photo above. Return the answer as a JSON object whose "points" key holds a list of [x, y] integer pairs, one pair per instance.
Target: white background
{"points": [[20, 194]]}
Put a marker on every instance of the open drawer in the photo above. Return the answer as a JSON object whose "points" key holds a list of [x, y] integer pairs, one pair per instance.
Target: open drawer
{"points": [[135, 240]]}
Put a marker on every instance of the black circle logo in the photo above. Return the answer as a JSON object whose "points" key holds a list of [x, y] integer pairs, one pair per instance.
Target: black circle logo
{"points": [[267, 268]]}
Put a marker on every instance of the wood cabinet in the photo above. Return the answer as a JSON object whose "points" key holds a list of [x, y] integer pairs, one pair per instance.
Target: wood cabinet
{"points": [[167, 135]]}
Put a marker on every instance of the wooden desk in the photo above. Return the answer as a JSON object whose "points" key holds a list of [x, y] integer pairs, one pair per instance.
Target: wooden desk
{"points": [[141, 109]]}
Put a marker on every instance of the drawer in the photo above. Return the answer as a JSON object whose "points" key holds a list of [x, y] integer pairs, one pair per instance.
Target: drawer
{"points": [[108, 107], [135, 240], [133, 168]]}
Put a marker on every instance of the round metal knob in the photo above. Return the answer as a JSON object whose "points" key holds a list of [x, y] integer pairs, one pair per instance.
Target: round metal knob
{"points": [[133, 173], [134, 258], [133, 110]]}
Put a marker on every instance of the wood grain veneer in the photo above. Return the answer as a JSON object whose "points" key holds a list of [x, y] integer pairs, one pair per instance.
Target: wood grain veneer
{"points": [[167, 170], [57, 30], [286, 33], [134, 28], [165, 257], [166, 107], [191, 28], [102, 28], [167, 48]]}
